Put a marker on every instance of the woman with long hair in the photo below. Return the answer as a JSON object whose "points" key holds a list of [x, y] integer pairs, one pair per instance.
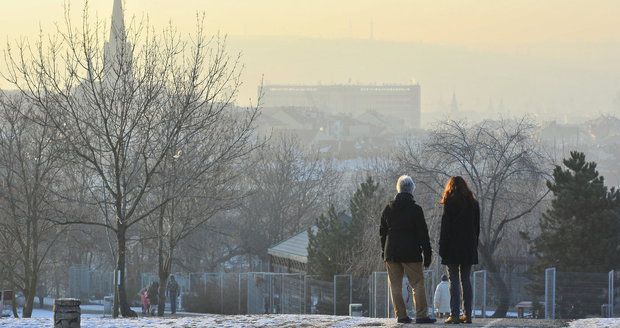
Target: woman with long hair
{"points": [[458, 244]]}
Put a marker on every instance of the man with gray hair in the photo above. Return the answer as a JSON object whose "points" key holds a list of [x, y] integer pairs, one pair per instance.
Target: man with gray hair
{"points": [[404, 238]]}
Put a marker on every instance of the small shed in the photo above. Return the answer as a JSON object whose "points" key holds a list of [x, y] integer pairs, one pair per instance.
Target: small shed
{"points": [[290, 255]]}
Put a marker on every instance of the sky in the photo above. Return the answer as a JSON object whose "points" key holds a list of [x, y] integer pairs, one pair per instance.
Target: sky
{"points": [[552, 34], [481, 24]]}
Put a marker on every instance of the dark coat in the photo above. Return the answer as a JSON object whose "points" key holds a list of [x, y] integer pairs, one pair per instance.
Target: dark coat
{"points": [[460, 228], [153, 294], [404, 234], [173, 288]]}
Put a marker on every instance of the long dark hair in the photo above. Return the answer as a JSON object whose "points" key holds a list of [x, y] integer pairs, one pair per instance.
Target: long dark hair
{"points": [[457, 189]]}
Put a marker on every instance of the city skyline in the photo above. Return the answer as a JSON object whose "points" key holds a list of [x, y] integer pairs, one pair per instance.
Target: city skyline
{"points": [[552, 56]]}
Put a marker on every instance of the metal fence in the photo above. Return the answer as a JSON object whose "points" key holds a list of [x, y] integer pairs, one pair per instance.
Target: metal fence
{"points": [[556, 294], [86, 283]]}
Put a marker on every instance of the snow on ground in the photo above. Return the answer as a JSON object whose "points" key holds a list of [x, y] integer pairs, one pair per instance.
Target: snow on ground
{"points": [[205, 321], [43, 319], [596, 323]]}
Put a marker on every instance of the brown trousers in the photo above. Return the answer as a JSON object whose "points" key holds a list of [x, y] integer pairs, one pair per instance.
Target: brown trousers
{"points": [[415, 275]]}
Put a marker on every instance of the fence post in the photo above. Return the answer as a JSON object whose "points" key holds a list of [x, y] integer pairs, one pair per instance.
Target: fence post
{"points": [[305, 294], [302, 293], [374, 294], [610, 293], [334, 297], [550, 293], [350, 290], [483, 308], [484, 295], [221, 292]]}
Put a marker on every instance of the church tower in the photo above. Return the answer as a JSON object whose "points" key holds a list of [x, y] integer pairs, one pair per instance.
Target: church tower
{"points": [[117, 46], [454, 106]]}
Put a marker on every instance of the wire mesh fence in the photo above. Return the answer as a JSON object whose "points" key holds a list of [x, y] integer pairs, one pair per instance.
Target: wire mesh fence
{"points": [[580, 295], [319, 296], [86, 283], [551, 295]]}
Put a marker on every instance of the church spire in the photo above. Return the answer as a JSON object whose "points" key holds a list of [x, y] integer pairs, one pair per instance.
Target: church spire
{"points": [[117, 29], [454, 106], [117, 47]]}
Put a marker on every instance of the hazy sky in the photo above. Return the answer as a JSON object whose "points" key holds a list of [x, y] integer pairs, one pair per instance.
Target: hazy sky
{"points": [[557, 56], [487, 24]]}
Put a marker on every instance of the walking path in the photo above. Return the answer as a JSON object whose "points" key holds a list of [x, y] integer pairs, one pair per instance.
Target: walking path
{"points": [[91, 321]]}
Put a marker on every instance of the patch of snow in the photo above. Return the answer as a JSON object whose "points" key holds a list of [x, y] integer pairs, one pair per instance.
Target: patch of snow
{"points": [[97, 321], [596, 323]]}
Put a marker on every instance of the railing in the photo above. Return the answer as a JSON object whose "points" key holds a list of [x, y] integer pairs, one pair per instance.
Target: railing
{"points": [[564, 295]]}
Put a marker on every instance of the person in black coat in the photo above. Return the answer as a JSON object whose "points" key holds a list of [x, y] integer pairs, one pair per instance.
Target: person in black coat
{"points": [[153, 295], [458, 244], [404, 238], [173, 293]]}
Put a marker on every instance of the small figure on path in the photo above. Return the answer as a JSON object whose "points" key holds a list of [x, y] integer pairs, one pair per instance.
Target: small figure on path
{"points": [[404, 237], [442, 297], [173, 293], [458, 245], [153, 294], [144, 299]]}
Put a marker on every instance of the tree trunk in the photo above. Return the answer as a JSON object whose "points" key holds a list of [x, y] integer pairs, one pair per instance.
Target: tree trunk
{"points": [[120, 299], [29, 294], [498, 282], [163, 281]]}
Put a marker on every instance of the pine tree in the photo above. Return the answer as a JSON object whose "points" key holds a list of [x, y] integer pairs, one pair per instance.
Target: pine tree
{"points": [[363, 206], [366, 206], [581, 230], [327, 247], [337, 244]]}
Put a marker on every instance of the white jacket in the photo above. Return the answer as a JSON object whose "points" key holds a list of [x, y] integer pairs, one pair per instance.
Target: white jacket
{"points": [[442, 297]]}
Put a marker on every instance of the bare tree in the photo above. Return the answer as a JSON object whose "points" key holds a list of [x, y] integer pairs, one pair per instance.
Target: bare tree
{"points": [[121, 109], [289, 187], [505, 167], [199, 180], [30, 162]]}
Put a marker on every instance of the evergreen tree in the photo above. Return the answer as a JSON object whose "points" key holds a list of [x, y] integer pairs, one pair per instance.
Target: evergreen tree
{"points": [[337, 245], [363, 207], [366, 207], [327, 247], [338, 242], [581, 230]]}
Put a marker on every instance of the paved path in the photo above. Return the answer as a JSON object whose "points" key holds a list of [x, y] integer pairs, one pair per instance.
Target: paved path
{"points": [[492, 323], [282, 321]]}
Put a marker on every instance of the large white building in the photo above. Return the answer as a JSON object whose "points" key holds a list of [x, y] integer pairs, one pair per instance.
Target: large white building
{"points": [[399, 101]]}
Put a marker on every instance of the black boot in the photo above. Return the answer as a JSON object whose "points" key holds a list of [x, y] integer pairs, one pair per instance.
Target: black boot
{"points": [[425, 320], [405, 320]]}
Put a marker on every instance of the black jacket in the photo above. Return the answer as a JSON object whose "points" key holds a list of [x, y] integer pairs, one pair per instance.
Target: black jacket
{"points": [[153, 294], [404, 235], [460, 228]]}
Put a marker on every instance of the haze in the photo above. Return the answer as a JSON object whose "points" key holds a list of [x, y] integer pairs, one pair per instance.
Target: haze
{"points": [[550, 56]]}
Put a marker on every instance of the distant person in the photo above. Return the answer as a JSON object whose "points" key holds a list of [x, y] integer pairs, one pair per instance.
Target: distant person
{"points": [[441, 299], [41, 295], [153, 294], [173, 293], [144, 299], [458, 244], [404, 237]]}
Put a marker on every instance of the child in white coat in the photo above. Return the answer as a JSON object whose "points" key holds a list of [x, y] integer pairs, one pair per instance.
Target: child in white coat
{"points": [[442, 298]]}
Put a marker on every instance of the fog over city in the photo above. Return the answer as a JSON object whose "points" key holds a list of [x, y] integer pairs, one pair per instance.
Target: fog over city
{"points": [[223, 163], [549, 58]]}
